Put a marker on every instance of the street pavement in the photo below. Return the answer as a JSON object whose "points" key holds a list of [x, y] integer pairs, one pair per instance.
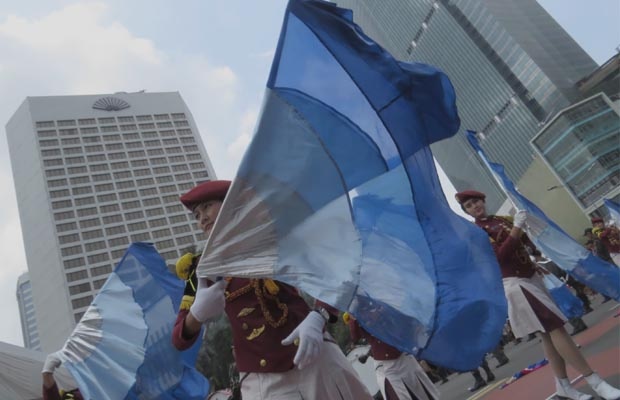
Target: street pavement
{"points": [[600, 344]]}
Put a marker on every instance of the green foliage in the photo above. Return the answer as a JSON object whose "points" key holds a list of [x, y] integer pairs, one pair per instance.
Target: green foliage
{"points": [[215, 355]]}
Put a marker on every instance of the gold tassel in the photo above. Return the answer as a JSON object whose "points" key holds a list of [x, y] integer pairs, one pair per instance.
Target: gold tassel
{"points": [[271, 286], [183, 265], [186, 302]]}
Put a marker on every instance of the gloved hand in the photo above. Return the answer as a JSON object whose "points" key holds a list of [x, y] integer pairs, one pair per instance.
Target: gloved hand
{"points": [[52, 361], [209, 301], [520, 218], [310, 335]]}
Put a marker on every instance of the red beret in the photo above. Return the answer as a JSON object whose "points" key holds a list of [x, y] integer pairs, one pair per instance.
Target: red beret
{"points": [[596, 220], [211, 190], [465, 195]]}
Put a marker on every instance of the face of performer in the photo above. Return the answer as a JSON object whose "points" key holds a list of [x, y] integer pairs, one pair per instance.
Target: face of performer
{"points": [[600, 225], [206, 213], [475, 207]]}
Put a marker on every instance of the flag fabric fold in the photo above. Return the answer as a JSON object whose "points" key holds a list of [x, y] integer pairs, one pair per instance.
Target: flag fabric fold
{"points": [[122, 348], [552, 241], [338, 195], [614, 211]]}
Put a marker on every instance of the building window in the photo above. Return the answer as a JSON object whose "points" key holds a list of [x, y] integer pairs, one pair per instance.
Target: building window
{"points": [[180, 229], [79, 180], [59, 216], [99, 283], [154, 212], [54, 194], [89, 223], [74, 263], [94, 148], [104, 269], [69, 226], [164, 244], [99, 167], [181, 123], [137, 154], [130, 194], [129, 127], [45, 124], [77, 275], [125, 119], [130, 205], [139, 163], [161, 233], [176, 159], [71, 251], [109, 208], [84, 201], [85, 212], [146, 126], [164, 179], [94, 234], [112, 138], [140, 237], [178, 116], [179, 168], [163, 125], [66, 122], [95, 246], [121, 241], [184, 132], [46, 134], [118, 254], [54, 172], [86, 131], [64, 239], [117, 156], [131, 136], [198, 165], [155, 152], [115, 230], [185, 240], [125, 184], [170, 199], [97, 258], [151, 202], [134, 215], [77, 170], [142, 172], [81, 302], [109, 120], [104, 187], [175, 209], [48, 142], [81, 190], [112, 219], [122, 175], [144, 118], [50, 153], [52, 163], [68, 132], [174, 150], [87, 121], [104, 198], [169, 133], [61, 204], [187, 140], [57, 182], [136, 226], [120, 165], [81, 288], [162, 117], [145, 181], [102, 177], [157, 222]]}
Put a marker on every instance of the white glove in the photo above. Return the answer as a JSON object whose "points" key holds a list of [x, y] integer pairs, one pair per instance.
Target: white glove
{"points": [[52, 361], [520, 218], [310, 335], [209, 301]]}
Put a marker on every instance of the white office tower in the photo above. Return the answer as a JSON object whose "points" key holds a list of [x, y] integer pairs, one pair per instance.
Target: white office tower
{"points": [[93, 174], [25, 303]]}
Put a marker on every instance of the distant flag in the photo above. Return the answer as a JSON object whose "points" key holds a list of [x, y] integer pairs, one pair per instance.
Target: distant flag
{"points": [[122, 348], [338, 195], [614, 211], [556, 244]]}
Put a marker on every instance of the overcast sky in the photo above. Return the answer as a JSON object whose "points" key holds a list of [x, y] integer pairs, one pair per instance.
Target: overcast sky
{"points": [[215, 53]]}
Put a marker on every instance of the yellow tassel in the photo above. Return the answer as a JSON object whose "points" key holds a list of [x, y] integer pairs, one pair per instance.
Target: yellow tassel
{"points": [[183, 265], [272, 287], [346, 317], [186, 302]]}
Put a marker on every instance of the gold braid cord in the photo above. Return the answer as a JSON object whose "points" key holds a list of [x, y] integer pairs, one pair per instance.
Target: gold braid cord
{"points": [[262, 294]]}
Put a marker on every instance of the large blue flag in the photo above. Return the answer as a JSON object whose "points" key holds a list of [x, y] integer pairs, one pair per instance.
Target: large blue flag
{"points": [[556, 244], [122, 347], [338, 195], [614, 211]]}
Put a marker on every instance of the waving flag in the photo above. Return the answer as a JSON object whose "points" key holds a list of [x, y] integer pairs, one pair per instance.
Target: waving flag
{"points": [[338, 195], [121, 348], [614, 211], [556, 244]]}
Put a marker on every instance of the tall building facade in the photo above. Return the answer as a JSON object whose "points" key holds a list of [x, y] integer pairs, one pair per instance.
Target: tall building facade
{"points": [[25, 302], [93, 174], [511, 64]]}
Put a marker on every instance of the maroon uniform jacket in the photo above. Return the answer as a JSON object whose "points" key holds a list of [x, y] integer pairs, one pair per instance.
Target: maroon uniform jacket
{"points": [[262, 313], [512, 253], [378, 349], [610, 237]]}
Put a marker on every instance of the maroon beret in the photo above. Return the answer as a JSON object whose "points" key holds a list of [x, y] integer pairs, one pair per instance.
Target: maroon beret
{"points": [[211, 190], [465, 195], [596, 220]]}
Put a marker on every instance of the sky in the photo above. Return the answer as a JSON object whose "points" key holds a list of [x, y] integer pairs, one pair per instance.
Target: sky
{"points": [[216, 53]]}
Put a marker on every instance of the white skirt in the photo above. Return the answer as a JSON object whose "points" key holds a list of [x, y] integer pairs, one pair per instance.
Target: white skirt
{"points": [[405, 375], [331, 377], [521, 314]]}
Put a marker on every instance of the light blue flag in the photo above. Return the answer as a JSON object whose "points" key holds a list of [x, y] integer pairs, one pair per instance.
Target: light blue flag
{"points": [[122, 348], [570, 305], [551, 240], [338, 195], [614, 211]]}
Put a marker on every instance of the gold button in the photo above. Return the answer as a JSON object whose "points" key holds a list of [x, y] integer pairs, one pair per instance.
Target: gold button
{"points": [[263, 362], [227, 293], [296, 342], [244, 326], [387, 355]]}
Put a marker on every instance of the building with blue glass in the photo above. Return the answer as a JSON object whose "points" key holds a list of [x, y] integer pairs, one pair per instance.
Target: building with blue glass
{"points": [[512, 65]]}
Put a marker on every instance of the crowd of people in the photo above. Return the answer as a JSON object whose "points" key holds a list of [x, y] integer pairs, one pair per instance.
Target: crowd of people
{"points": [[282, 349]]}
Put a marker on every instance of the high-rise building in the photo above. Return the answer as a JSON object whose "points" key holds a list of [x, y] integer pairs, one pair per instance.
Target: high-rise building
{"points": [[25, 303], [512, 66], [93, 174]]}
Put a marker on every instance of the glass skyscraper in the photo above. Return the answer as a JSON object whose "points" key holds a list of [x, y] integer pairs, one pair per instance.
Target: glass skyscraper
{"points": [[512, 65]]}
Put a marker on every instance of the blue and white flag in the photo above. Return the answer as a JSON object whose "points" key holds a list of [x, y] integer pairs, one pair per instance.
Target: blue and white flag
{"points": [[552, 241], [338, 195], [122, 347], [614, 211], [570, 305]]}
